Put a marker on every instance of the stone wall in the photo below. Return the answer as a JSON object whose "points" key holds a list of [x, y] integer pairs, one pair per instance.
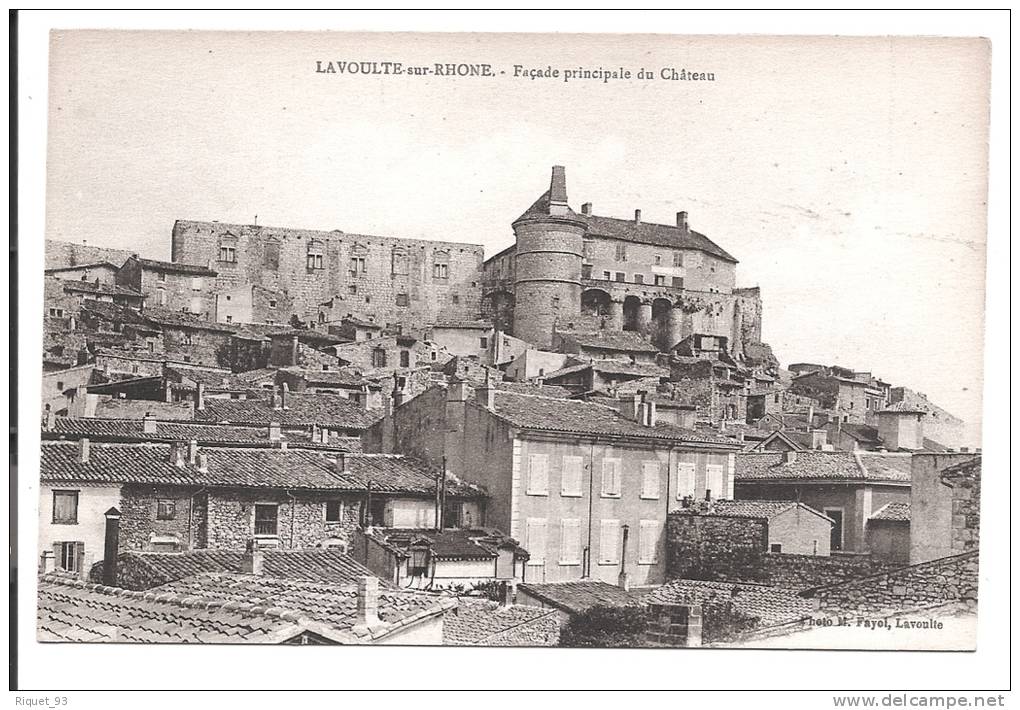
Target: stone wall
{"points": [[673, 625], [941, 581], [966, 522], [543, 631], [805, 571], [139, 522]]}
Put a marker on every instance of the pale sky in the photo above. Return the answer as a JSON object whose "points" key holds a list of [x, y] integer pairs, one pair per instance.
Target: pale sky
{"points": [[848, 176]]}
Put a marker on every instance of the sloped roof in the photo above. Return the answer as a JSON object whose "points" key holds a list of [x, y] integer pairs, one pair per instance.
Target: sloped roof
{"points": [[102, 289], [77, 267], [663, 235], [894, 512], [758, 509], [336, 378], [823, 466], [623, 341], [113, 312], [323, 565], [303, 409], [771, 605], [577, 597], [176, 267], [179, 319], [476, 620], [576, 416], [965, 469], [453, 544]]}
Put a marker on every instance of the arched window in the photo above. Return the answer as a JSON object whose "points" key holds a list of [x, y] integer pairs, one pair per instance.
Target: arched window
{"points": [[228, 248]]}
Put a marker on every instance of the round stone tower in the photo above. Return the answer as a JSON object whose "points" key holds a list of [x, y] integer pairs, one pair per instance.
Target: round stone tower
{"points": [[547, 284]]}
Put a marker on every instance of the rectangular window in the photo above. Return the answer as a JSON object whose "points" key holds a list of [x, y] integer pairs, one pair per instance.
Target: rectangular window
{"points": [[272, 303], [405, 358], [403, 300], [352, 289], [621, 277], [585, 271], [650, 480], [836, 536], [166, 510], [65, 507], [57, 312], [658, 259], [196, 283], [640, 278], [228, 254], [678, 258], [685, 480], [538, 475], [70, 555], [60, 385], [571, 481], [441, 271], [714, 474], [266, 519], [609, 536], [230, 319], [570, 541], [483, 343], [455, 298], [678, 282], [357, 266], [535, 542], [611, 478], [648, 542], [379, 358], [621, 252], [607, 275], [776, 547], [660, 280], [334, 511]]}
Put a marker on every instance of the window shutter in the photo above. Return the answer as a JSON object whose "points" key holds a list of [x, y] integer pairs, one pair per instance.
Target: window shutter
{"points": [[648, 544], [536, 540], [538, 476], [715, 480], [610, 477], [650, 479], [573, 467], [570, 542], [609, 541], [685, 480], [79, 557]]}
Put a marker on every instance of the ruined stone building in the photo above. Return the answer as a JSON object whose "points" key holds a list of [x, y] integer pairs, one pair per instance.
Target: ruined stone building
{"points": [[570, 271], [408, 282]]}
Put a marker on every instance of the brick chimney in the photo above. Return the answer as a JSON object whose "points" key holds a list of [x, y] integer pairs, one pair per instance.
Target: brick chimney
{"points": [[274, 431], [486, 394], [47, 561], [681, 221], [630, 407], [110, 545], [650, 414], [284, 396], [368, 602], [586, 209], [192, 451], [48, 418], [83, 450], [253, 559], [200, 398], [637, 216], [202, 462], [148, 423], [819, 438]]}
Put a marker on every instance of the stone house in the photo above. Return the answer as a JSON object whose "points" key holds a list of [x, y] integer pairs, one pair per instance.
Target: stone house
{"points": [[837, 390], [944, 505], [178, 497], [847, 487], [384, 356], [606, 345], [189, 338], [888, 533], [105, 271], [474, 339], [352, 328], [177, 286]]}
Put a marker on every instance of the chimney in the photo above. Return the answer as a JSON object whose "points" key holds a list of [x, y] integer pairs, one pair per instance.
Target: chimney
{"points": [[148, 423], [325, 435], [637, 216], [631, 407], [789, 456], [274, 400], [83, 450], [294, 351], [200, 398], [650, 414], [202, 462], [694, 623], [486, 394], [558, 191], [368, 602], [192, 451], [177, 454], [47, 561], [681, 221], [506, 593], [274, 431], [457, 391], [284, 395], [811, 417], [168, 393], [586, 209], [110, 547], [72, 323], [253, 559], [48, 419], [341, 462], [622, 581]]}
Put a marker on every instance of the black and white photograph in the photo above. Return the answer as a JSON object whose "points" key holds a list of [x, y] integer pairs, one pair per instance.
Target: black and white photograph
{"points": [[531, 340]]}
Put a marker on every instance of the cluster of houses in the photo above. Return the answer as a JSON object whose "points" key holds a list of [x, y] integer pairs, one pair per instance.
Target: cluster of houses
{"points": [[209, 474]]}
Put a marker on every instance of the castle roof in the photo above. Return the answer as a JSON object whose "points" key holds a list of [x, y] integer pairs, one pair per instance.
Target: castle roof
{"points": [[663, 235]]}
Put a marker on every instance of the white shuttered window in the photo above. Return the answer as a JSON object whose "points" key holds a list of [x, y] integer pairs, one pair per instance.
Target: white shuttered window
{"points": [[715, 480], [650, 479], [570, 542], [535, 542], [609, 542], [538, 475], [611, 477], [573, 467], [685, 480], [648, 542]]}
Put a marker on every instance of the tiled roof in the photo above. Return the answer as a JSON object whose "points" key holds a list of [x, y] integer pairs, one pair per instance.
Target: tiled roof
{"points": [[464, 325], [324, 603], [208, 376], [639, 369], [540, 209], [575, 416], [543, 390], [156, 265], [335, 378], [244, 468], [453, 544], [116, 408], [576, 597], [221, 608], [862, 433], [100, 289], [755, 508], [327, 566], [113, 312], [964, 469], [180, 319], [361, 323], [302, 410], [476, 620], [823, 466], [771, 605], [655, 234], [626, 340], [77, 267], [898, 512]]}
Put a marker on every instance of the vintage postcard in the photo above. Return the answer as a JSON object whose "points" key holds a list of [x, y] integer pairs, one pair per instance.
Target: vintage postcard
{"points": [[619, 341]]}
